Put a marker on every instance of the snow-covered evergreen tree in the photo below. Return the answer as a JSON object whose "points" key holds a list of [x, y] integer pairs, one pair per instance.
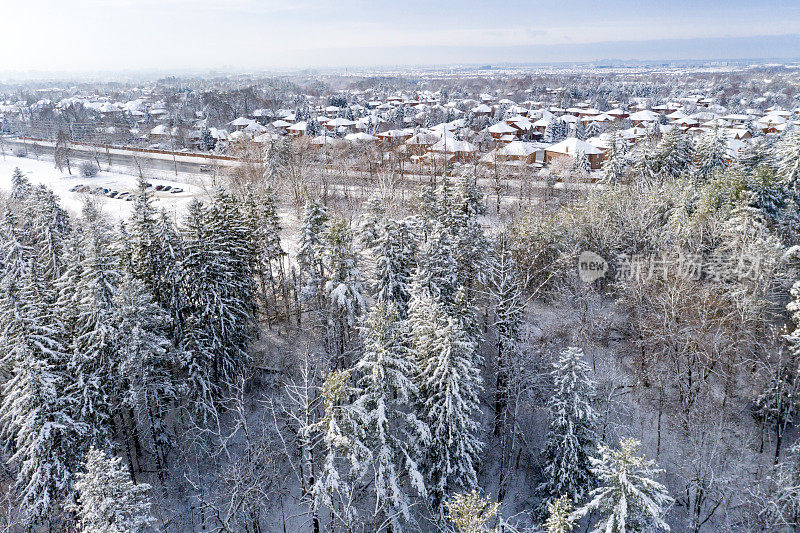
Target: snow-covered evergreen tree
{"points": [[310, 252], [395, 437], [581, 164], [146, 363], [218, 288], [568, 470], [20, 186], [346, 456], [615, 164], [36, 414], [371, 221], [49, 230], [197, 358], [555, 131], [711, 154], [16, 257], [147, 258], [673, 155], [437, 270], [344, 291], [787, 156], [559, 516], [628, 499], [593, 129], [579, 130], [394, 251], [108, 501], [169, 292], [264, 239], [94, 347], [470, 249], [468, 196], [449, 383]]}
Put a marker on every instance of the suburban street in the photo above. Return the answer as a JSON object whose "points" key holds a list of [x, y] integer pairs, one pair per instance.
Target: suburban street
{"points": [[178, 168]]}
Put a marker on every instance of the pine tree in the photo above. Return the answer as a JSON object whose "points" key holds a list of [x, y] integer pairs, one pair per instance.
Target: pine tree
{"points": [[711, 155], [757, 153], [208, 142], [556, 131], [559, 516], [470, 249], [143, 243], [197, 359], [218, 289], [67, 308], [310, 252], [36, 413], [264, 240], [615, 164], [108, 501], [94, 349], [468, 196], [673, 155], [787, 157], [372, 219], [395, 437], [343, 289], [449, 384], [437, 270], [346, 457], [169, 291], [593, 129], [20, 186], [471, 512], [49, 230], [579, 130], [581, 164], [395, 250], [146, 362], [628, 499], [16, 257], [568, 470]]}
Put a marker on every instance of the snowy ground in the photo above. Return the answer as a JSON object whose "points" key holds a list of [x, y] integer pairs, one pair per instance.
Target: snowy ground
{"points": [[43, 171]]}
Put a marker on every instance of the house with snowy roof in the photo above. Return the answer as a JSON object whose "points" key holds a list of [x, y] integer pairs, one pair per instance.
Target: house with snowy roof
{"points": [[394, 136], [340, 125], [643, 118], [481, 110], [240, 123], [571, 147], [421, 142], [526, 152], [500, 129], [298, 129], [460, 150]]}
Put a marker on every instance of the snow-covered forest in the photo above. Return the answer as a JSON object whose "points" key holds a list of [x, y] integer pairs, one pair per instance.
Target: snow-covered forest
{"points": [[512, 301], [424, 364]]}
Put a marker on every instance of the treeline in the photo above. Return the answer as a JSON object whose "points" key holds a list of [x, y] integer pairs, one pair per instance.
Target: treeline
{"points": [[112, 338]]}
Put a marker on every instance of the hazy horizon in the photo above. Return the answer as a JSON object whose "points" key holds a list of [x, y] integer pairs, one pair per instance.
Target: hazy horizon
{"points": [[247, 35]]}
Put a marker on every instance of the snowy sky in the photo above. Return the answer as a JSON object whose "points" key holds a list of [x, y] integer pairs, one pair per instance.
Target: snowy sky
{"points": [[89, 35]]}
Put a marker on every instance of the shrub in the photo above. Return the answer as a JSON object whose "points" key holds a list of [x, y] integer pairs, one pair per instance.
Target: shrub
{"points": [[88, 169]]}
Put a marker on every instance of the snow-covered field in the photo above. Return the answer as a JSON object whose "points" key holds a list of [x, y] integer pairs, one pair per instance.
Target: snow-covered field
{"points": [[43, 171]]}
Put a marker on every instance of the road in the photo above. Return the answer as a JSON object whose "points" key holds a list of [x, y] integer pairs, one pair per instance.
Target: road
{"points": [[187, 169], [177, 168]]}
